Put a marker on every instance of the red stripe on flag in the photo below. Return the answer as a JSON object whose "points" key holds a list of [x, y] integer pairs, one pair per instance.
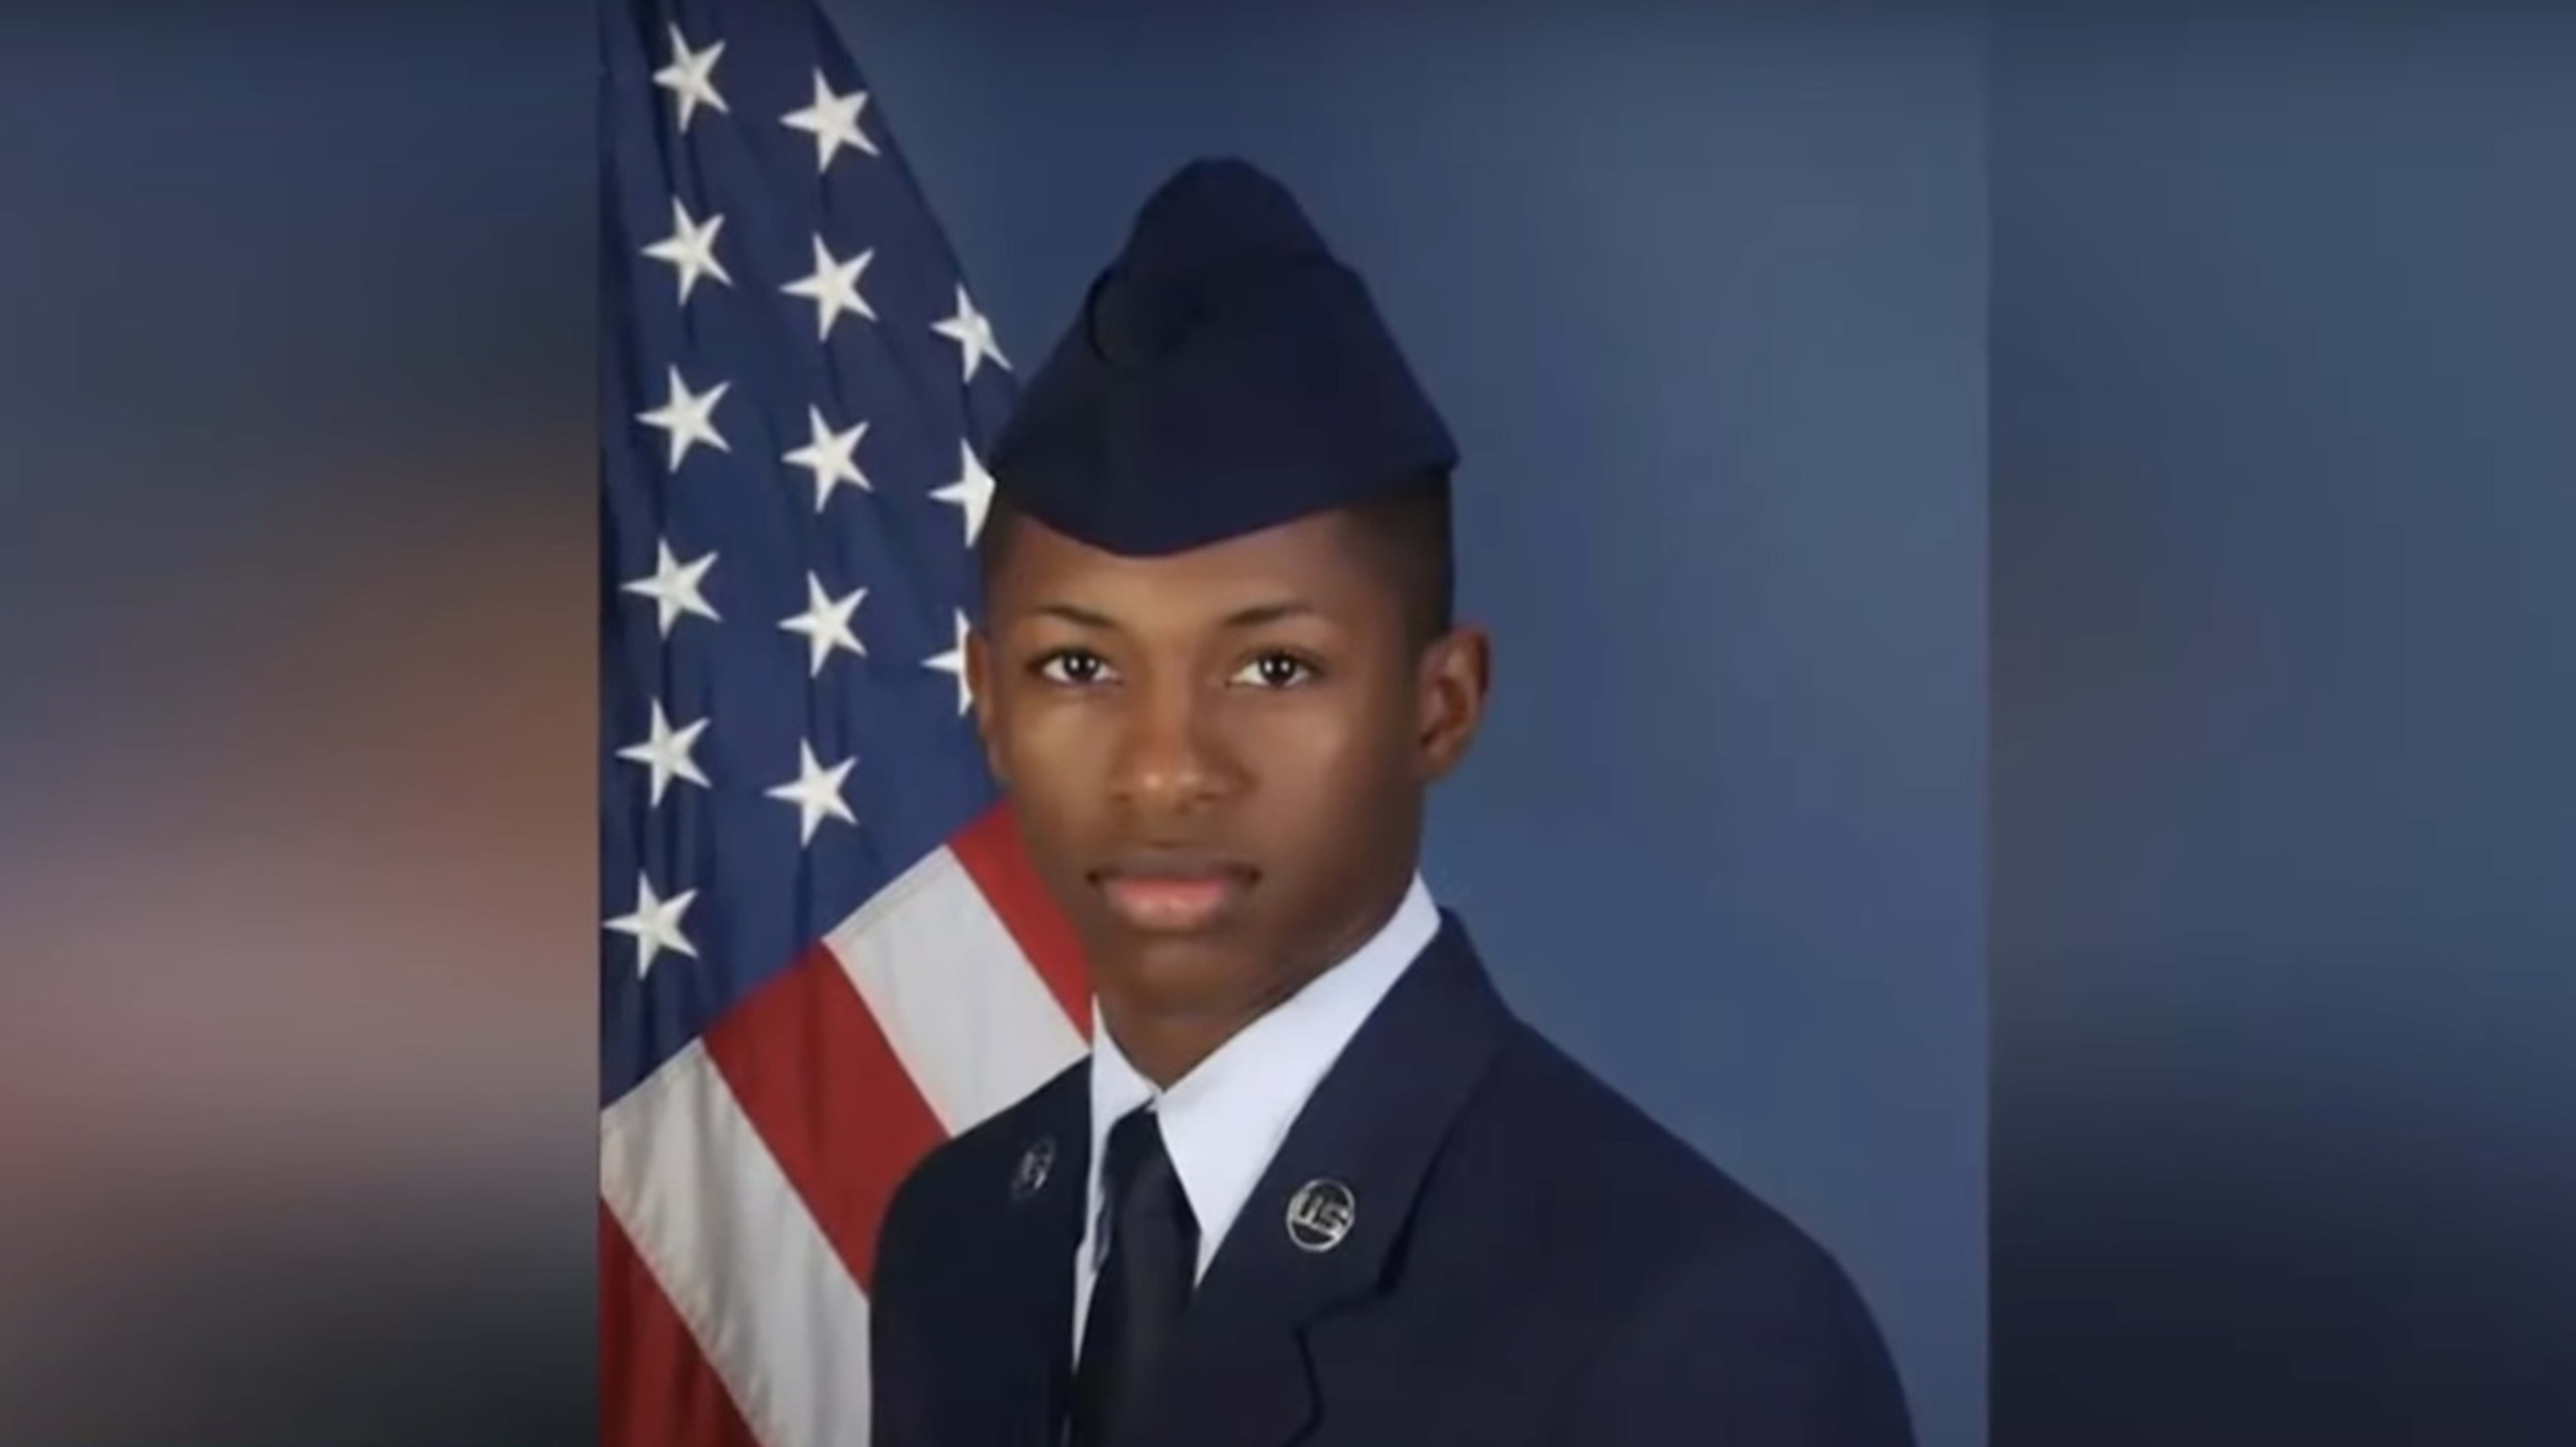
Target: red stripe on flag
{"points": [[655, 1387], [998, 862], [812, 1070]]}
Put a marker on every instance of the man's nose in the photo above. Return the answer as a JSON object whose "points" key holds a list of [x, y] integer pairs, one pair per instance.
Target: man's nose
{"points": [[1171, 757]]}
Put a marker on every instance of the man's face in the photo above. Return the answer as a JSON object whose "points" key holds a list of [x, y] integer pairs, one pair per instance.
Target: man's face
{"points": [[1218, 757]]}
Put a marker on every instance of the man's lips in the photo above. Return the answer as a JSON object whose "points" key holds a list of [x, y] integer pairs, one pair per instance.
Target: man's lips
{"points": [[1173, 895]]}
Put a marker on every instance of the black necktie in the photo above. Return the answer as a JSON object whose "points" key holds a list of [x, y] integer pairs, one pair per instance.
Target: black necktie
{"points": [[1143, 1288]]}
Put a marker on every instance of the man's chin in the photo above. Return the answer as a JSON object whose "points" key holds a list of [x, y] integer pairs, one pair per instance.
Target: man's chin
{"points": [[1174, 974]]}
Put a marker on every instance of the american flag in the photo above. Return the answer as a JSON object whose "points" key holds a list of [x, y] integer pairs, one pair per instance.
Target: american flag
{"points": [[822, 952]]}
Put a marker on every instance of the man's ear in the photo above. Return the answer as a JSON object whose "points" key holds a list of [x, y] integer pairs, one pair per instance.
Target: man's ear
{"points": [[979, 693], [1455, 673]]}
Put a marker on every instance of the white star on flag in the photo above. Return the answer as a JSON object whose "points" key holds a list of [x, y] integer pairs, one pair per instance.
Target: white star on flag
{"points": [[689, 418], [655, 925], [817, 790], [828, 456], [691, 77], [826, 623], [674, 585], [834, 288], [972, 491], [954, 662], [973, 334], [666, 752], [690, 249], [833, 122]]}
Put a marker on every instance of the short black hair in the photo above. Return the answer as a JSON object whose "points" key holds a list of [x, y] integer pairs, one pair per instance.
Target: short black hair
{"points": [[1410, 526]]}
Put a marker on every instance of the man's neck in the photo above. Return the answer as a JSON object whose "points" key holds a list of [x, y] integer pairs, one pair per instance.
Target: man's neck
{"points": [[1165, 1046]]}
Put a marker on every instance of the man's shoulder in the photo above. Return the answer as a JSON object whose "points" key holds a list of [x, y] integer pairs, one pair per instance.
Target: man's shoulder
{"points": [[1698, 1298], [1611, 1179], [977, 1171]]}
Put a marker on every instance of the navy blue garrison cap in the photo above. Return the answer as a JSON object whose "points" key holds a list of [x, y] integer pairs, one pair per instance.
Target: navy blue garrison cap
{"points": [[1226, 374]]}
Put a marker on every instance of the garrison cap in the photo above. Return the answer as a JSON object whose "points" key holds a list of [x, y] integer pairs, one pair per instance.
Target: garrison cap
{"points": [[1225, 374]]}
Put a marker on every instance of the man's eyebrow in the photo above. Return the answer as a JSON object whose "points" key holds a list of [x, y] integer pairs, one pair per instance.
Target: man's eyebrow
{"points": [[1261, 613], [1252, 617], [1076, 614]]}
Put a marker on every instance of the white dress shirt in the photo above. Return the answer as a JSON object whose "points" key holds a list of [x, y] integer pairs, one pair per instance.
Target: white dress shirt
{"points": [[1224, 1121]]}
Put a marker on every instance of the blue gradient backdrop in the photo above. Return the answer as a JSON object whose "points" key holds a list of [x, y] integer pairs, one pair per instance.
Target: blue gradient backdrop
{"points": [[2284, 691]]}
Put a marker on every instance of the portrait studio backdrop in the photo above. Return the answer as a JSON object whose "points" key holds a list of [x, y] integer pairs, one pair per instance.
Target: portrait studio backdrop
{"points": [[2283, 820], [1702, 295]]}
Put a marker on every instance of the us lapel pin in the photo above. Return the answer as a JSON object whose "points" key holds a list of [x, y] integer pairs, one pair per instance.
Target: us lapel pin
{"points": [[1320, 1215], [1035, 1163]]}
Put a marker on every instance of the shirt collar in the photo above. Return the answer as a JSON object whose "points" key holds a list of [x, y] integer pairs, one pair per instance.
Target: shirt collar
{"points": [[1224, 1121]]}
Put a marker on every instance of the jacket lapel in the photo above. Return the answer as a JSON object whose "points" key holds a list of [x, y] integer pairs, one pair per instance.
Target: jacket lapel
{"points": [[1032, 1267], [1348, 1172]]}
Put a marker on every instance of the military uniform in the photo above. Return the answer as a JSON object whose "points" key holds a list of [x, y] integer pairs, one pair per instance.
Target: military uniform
{"points": [[1403, 1216]]}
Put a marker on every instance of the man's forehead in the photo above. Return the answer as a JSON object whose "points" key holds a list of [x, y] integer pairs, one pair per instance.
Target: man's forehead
{"points": [[1315, 559]]}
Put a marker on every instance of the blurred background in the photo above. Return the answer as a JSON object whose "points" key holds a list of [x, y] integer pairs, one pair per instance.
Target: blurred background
{"points": [[2284, 869], [296, 1073], [2024, 539]]}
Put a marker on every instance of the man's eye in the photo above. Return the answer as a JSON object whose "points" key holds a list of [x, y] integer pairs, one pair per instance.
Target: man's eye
{"points": [[1277, 670], [1076, 666]]}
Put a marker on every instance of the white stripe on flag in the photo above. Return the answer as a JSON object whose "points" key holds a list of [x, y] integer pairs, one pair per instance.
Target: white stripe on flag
{"points": [[964, 1010], [776, 1314]]}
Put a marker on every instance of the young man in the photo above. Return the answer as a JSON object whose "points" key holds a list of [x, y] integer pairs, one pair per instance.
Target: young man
{"points": [[1315, 1183]]}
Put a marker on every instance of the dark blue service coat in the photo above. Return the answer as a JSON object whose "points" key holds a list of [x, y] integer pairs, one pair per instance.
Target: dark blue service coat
{"points": [[1526, 1258]]}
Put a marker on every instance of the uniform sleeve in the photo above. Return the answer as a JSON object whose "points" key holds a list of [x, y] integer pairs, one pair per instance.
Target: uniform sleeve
{"points": [[897, 1376], [1750, 1344]]}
